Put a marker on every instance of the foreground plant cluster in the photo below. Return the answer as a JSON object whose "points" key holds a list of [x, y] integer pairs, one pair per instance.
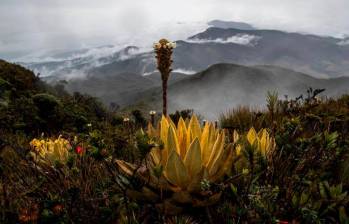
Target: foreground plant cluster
{"points": [[66, 159]]}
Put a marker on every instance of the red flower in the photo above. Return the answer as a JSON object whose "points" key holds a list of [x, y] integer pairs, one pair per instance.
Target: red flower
{"points": [[283, 222], [79, 150], [57, 209]]}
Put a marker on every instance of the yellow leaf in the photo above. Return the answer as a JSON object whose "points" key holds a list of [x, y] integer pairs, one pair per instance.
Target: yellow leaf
{"points": [[187, 121], [204, 137], [221, 154], [182, 137], [171, 122], [175, 171], [195, 127], [195, 181], [207, 142], [216, 151], [126, 167], [223, 165], [252, 136], [155, 156], [189, 137], [238, 150], [192, 160], [264, 141], [235, 136], [212, 136], [181, 126], [164, 129], [172, 141]]}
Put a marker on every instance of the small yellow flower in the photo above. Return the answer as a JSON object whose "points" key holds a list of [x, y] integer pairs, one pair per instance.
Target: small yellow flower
{"points": [[262, 140], [51, 150]]}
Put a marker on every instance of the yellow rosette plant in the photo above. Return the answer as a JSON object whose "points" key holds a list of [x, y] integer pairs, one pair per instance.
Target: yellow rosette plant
{"points": [[50, 151], [188, 157]]}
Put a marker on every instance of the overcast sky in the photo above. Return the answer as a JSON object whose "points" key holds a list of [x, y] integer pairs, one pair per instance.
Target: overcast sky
{"points": [[28, 26]]}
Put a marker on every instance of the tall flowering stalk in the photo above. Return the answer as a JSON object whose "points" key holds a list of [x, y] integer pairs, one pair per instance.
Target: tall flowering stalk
{"points": [[163, 50]]}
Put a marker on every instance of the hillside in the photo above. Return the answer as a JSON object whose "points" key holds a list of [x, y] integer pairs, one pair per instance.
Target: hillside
{"points": [[31, 106], [64, 158], [123, 89], [223, 86]]}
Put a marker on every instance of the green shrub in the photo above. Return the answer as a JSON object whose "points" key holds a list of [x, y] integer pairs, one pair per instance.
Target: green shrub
{"points": [[243, 118]]}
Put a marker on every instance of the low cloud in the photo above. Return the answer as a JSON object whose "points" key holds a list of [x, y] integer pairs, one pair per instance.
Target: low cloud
{"points": [[177, 70], [241, 39], [184, 71], [75, 65], [132, 52], [344, 42], [64, 55], [149, 73]]}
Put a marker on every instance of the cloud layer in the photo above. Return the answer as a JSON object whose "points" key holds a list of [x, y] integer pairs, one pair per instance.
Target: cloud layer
{"points": [[29, 26], [242, 39]]}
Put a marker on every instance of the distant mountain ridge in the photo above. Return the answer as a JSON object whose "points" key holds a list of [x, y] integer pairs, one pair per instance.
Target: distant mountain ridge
{"points": [[314, 55], [227, 67], [224, 86], [123, 89], [230, 25]]}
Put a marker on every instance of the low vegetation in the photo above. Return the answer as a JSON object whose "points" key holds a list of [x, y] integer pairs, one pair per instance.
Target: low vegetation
{"points": [[65, 158]]}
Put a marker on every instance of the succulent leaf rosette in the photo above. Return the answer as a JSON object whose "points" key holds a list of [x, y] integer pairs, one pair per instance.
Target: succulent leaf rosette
{"points": [[188, 156], [50, 150], [262, 140]]}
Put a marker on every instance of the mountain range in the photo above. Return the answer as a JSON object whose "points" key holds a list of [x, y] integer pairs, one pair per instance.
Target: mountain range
{"points": [[210, 92], [319, 56], [225, 86], [228, 64]]}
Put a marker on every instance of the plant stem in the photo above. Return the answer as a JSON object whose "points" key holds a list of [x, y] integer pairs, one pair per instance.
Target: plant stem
{"points": [[164, 96]]}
